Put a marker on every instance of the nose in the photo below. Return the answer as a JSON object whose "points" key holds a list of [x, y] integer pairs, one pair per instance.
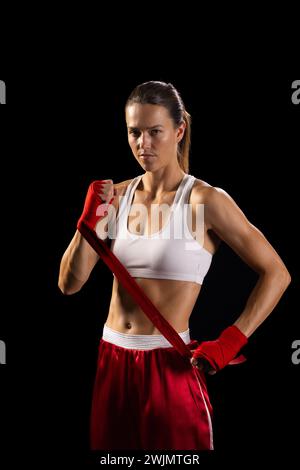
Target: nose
{"points": [[144, 141]]}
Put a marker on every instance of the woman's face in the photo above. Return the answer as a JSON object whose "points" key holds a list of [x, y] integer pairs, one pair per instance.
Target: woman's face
{"points": [[152, 136]]}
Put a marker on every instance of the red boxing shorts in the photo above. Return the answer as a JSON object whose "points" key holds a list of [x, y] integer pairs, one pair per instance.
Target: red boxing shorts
{"points": [[148, 397]]}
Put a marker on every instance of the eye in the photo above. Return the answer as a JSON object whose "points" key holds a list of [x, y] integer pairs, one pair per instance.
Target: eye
{"points": [[155, 132], [134, 132]]}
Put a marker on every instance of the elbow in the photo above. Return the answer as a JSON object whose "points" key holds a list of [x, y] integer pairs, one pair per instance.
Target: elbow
{"points": [[67, 289], [287, 278], [279, 275], [64, 290], [284, 277]]}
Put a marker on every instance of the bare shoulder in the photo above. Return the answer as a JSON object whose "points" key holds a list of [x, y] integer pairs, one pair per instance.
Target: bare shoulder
{"points": [[220, 207], [119, 191], [224, 218], [204, 193], [121, 187]]}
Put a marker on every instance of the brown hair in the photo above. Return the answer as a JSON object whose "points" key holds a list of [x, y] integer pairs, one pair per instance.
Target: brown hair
{"points": [[165, 94]]}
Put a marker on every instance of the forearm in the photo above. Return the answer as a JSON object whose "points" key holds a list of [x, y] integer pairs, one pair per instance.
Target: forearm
{"points": [[262, 300], [76, 265]]}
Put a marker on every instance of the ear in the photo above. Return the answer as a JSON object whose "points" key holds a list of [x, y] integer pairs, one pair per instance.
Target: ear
{"points": [[180, 131]]}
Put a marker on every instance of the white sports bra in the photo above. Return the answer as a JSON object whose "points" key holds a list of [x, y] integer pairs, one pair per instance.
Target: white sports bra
{"points": [[171, 253]]}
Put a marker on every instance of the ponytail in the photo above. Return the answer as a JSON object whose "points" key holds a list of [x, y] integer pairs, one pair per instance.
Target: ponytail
{"points": [[183, 151]]}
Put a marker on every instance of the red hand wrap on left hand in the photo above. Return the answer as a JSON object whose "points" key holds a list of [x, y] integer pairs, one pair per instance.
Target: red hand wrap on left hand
{"points": [[223, 350]]}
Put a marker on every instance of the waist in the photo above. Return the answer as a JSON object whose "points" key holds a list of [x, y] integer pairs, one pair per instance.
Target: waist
{"points": [[142, 342]]}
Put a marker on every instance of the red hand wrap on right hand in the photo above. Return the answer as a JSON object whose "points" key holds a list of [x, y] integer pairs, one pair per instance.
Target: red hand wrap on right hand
{"points": [[222, 351], [94, 207]]}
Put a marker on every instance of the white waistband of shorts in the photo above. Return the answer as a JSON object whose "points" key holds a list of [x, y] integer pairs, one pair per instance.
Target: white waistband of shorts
{"points": [[143, 342]]}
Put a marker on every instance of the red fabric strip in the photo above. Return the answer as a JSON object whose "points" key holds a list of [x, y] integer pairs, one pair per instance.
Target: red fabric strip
{"points": [[134, 289]]}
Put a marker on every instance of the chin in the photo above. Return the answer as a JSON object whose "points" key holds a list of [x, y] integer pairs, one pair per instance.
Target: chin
{"points": [[147, 165]]}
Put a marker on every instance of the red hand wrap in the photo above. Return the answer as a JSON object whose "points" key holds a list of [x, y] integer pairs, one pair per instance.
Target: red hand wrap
{"points": [[94, 207], [223, 350]]}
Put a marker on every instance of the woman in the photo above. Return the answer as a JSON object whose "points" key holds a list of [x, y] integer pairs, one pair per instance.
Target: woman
{"points": [[146, 396]]}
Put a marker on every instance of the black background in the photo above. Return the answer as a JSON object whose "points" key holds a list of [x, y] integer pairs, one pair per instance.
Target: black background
{"points": [[61, 130]]}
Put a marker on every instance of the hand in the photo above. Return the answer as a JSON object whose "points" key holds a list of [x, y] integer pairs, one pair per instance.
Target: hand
{"points": [[202, 365], [99, 196], [217, 354]]}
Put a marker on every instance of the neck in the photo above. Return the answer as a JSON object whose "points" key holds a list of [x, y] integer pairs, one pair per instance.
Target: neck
{"points": [[163, 180]]}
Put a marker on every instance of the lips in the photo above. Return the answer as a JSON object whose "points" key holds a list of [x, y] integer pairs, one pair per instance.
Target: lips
{"points": [[147, 158]]}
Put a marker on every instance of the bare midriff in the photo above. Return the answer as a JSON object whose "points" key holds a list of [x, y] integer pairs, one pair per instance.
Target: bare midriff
{"points": [[174, 300]]}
